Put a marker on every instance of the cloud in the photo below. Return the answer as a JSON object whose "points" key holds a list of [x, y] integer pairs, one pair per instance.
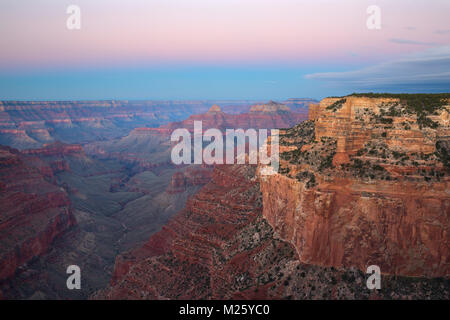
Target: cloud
{"points": [[442, 31], [427, 71], [419, 43]]}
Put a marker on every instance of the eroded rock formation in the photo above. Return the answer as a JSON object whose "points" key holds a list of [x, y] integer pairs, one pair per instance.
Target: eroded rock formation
{"points": [[33, 212], [31, 124], [366, 186]]}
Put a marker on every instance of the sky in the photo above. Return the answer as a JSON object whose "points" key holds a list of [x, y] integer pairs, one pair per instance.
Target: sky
{"points": [[221, 49]]}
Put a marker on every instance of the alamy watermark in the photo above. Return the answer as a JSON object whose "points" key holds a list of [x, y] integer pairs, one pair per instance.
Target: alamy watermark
{"points": [[74, 20], [374, 20], [233, 151], [74, 280], [374, 281]]}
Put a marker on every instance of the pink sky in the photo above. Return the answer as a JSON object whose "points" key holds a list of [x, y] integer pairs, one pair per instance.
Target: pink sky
{"points": [[216, 32]]}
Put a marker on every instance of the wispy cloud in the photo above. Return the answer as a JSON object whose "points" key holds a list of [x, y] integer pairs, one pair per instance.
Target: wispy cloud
{"points": [[426, 71], [442, 31], [406, 41]]}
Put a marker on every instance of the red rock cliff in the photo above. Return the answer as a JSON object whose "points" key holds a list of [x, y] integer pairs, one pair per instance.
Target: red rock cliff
{"points": [[33, 212]]}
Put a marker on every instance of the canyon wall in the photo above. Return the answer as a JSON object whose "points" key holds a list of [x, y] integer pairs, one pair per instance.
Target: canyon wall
{"points": [[151, 147], [33, 212], [260, 116], [404, 229], [31, 124], [353, 122]]}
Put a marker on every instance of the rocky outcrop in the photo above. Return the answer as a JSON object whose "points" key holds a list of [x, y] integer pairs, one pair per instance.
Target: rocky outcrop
{"points": [[177, 183], [215, 108], [270, 107], [353, 121], [56, 149], [54, 158], [196, 175], [34, 212], [366, 186]]}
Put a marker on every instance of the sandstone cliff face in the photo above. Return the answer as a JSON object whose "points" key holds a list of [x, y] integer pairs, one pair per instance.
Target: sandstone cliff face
{"points": [[313, 111], [360, 190], [353, 121], [33, 212], [343, 223]]}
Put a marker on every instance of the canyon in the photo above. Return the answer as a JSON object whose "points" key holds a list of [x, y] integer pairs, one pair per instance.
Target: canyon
{"points": [[350, 193], [118, 189], [93, 210], [363, 181], [152, 147], [221, 247]]}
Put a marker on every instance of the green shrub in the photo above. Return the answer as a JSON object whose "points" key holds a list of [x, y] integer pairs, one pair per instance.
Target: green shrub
{"points": [[336, 105]]}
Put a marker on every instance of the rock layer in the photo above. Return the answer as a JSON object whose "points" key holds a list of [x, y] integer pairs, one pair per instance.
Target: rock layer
{"points": [[34, 212], [31, 124]]}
